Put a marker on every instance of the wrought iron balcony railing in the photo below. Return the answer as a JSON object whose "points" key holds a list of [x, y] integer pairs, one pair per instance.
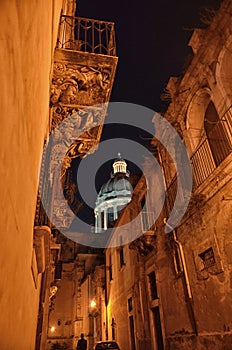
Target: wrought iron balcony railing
{"points": [[86, 35], [213, 150], [147, 220], [206, 158]]}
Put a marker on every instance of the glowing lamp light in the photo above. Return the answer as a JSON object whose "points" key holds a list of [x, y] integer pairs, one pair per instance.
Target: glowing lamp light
{"points": [[93, 304], [52, 329]]}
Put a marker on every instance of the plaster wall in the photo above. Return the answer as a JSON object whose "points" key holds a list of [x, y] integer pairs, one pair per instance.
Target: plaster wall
{"points": [[120, 288], [211, 287], [28, 35], [61, 315], [207, 223]]}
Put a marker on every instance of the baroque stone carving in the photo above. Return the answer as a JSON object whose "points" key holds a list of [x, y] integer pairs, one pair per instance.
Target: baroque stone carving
{"points": [[77, 99], [70, 192], [76, 135], [145, 244], [68, 144], [62, 217], [80, 85], [82, 119], [59, 113], [52, 294]]}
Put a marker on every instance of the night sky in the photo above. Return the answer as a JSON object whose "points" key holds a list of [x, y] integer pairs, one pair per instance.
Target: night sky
{"points": [[152, 38], [152, 45]]}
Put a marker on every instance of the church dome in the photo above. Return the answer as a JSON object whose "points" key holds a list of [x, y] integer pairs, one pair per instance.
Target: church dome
{"points": [[117, 186], [115, 193]]}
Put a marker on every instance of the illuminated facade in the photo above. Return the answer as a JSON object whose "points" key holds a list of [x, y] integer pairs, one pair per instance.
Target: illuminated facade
{"points": [[54, 73], [161, 291], [82, 76], [173, 291], [28, 35]]}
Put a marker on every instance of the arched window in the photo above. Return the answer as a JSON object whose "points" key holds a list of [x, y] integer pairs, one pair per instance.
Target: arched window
{"points": [[208, 136], [216, 134], [224, 71], [195, 118]]}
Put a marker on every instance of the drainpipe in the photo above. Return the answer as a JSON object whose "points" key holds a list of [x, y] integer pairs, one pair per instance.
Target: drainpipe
{"points": [[186, 278], [106, 299], [182, 257]]}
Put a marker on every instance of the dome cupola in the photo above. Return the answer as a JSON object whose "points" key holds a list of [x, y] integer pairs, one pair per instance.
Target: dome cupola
{"points": [[113, 196]]}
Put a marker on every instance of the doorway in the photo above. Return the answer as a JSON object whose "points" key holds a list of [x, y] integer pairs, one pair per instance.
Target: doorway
{"points": [[132, 333], [158, 328]]}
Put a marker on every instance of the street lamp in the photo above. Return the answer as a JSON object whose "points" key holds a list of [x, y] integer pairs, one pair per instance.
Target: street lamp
{"points": [[93, 304]]}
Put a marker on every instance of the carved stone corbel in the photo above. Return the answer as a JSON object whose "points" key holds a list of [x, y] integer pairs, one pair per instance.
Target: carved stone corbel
{"points": [[146, 244]]}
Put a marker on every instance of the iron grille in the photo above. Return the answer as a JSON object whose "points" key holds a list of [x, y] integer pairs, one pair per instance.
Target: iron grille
{"points": [[86, 35]]}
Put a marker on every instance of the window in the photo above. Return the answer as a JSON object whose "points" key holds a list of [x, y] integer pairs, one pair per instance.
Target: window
{"points": [[208, 258], [132, 333], [121, 254], [110, 269], [110, 215], [145, 222], [58, 270], [113, 325], [147, 218], [153, 287], [209, 135], [158, 328], [130, 305], [216, 133], [102, 220]]}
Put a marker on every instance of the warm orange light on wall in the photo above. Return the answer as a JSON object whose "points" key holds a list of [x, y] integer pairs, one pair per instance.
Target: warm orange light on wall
{"points": [[93, 304]]}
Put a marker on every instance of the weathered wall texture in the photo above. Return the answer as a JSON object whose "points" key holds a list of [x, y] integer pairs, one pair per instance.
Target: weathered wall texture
{"points": [[62, 312], [209, 227], [201, 108], [187, 298], [127, 300], [119, 290], [71, 312], [28, 35]]}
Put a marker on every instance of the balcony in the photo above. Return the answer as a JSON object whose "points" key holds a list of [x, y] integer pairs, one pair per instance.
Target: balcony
{"points": [[208, 160], [147, 221], [147, 242], [212, 150], [86, 35], [84, 68]]}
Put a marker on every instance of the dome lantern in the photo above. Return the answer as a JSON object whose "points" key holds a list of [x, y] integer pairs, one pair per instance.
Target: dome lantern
{"points": [[119, 165]]}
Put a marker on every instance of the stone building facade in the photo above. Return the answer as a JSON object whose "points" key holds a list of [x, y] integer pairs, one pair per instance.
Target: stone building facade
{"points": [[166, 291], [127, 285], [76, 306], [173, 290], [81, 82], [196, 300]]}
